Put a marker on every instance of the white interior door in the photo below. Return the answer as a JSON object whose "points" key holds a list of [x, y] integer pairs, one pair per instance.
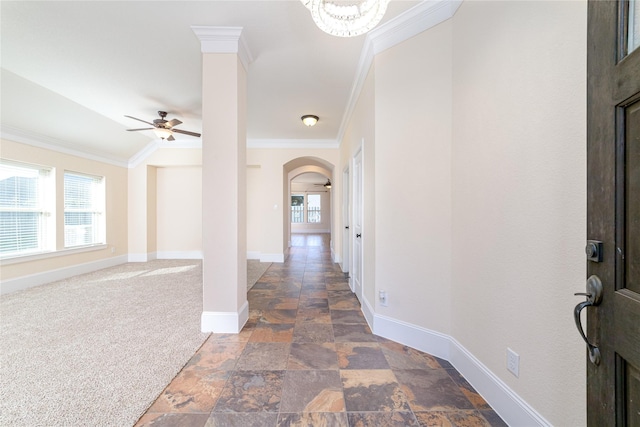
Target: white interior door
{"points": [[346, 219], [356, 225]]}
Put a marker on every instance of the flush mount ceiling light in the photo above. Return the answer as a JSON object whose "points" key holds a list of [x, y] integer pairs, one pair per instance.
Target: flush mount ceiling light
{"points": [[346, 18], [309, 120]]}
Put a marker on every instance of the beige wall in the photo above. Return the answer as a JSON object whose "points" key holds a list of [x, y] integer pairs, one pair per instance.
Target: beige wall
{"points": [[144, 195], [413, 179], [519, 195], [477, 126], [179, 211], [116, 206], [152, 209], [269, 193], [360, 134], [264, 196], [255, 211]]}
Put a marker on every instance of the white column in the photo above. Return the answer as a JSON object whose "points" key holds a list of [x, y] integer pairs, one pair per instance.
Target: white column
{"points": [[225, 61]]}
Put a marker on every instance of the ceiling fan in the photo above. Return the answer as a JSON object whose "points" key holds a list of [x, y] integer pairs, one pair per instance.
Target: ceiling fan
{"points": [[163, 128], [326, 184]]}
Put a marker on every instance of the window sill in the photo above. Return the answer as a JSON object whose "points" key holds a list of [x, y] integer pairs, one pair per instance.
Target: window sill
{"points": [[51, 254]]}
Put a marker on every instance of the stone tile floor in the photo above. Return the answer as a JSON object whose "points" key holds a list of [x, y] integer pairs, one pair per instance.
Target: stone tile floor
{"points": [[307, 357]]}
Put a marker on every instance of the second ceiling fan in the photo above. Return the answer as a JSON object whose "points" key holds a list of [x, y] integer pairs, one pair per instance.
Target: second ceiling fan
{"points": [[163, 128], [326, 184]]}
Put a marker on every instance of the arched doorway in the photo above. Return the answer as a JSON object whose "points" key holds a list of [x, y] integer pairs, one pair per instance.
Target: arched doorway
{"points": [[306, 178]]}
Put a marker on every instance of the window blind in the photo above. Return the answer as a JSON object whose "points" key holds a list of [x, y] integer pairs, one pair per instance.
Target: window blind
{"points": [[23, 208], [83, 209]]}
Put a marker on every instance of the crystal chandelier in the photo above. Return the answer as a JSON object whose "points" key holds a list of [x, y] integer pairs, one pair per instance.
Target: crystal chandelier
{"points": [[344, 18]]}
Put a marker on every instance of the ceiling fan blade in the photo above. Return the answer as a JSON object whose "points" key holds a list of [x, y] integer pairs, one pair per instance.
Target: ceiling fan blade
{"points": [[140, 129], [171, 138], [173, 122], [186, 132], [140, 120]]}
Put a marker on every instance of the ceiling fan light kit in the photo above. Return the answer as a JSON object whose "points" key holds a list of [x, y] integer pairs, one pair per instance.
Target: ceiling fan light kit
{"points": [[163, 133], [163, 128], [309, 120], [346, 18]]}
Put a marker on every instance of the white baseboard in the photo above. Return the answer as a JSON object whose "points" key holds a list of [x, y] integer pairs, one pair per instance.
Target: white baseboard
{"points": [[422, 339], [225, 322], [143, 257], [180, 255], [368, 311], [265, 257], [271, 257], [26, 282], [335, 257], [137, 258], [512, 408]]}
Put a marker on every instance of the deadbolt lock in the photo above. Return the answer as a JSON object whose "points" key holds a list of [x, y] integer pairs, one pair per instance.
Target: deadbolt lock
{"points": [[594, 250]]}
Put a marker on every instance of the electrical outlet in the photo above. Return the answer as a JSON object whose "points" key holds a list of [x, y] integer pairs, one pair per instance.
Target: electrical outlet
{"points": [[383, 298], [513, 362]]}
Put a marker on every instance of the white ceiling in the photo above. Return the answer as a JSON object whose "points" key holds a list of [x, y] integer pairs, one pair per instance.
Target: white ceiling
{"points": [[71, 70]]}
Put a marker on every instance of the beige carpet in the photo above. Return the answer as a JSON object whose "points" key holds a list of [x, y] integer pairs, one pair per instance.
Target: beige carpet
{"points": [[97, 349]]}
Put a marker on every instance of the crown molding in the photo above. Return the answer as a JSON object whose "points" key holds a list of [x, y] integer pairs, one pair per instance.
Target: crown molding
{"points": [[48, 143], [366, 59], [223, 40], [292, 143], [143, 154], [412, 22], [156, 144], [419, 18], [34, 139]]}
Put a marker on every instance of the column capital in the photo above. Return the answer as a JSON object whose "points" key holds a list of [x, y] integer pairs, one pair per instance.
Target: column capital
{"points": [[223, 40]]}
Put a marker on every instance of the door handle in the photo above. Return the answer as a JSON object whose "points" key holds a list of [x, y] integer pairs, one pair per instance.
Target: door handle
{"points": [[347, 227], [594, 297], [358, 235]]}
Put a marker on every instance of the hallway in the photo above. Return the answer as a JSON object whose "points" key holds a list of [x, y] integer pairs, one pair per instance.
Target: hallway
{"points": [[306, 357]]}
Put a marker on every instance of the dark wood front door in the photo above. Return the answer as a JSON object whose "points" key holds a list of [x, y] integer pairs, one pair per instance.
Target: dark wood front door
{"points": [[613, 212]]}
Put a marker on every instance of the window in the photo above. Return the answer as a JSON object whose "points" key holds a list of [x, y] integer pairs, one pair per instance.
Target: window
{"points": [[26, 205], [297, 208], [313, 208], [633, 32], [312, 212], [84, 219]]}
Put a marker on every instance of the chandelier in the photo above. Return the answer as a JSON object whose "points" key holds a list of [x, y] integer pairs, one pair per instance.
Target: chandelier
{"points": [[344, 18]]}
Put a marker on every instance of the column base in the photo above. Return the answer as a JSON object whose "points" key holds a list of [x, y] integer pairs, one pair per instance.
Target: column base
{"points": [[225, 322]]}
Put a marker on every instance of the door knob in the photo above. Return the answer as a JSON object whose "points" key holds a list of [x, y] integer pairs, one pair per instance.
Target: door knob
{"points": [[594, 297], [358, 235], [347, 227]]}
